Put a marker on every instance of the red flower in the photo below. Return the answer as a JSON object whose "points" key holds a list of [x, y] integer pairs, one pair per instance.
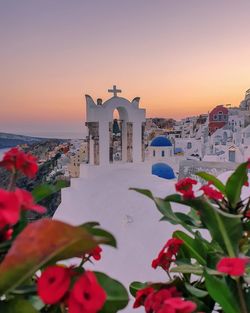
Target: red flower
{"points": [[53, 284], [27, 201], [9, 208], [232, 266], [96, 253], [155, 301], [211, 192], [17, 160], [248, 163], [165, 257], [164, 260], [87, 295], [174, 244], [141, 296], [247, 214], [6, 235], [185, 186], [179, 305]]}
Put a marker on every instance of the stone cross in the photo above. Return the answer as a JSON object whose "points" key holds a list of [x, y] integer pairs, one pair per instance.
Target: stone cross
{"points": [[114, 91]]}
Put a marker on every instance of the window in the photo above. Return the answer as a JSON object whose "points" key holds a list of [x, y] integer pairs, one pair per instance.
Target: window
{"points": [[189, 145], [154, 153], [163, 153], [215, 117], [231, 156]]}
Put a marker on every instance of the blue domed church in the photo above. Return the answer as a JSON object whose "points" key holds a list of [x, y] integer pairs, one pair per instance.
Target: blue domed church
{"points": [[161, 148], [160, 154]]}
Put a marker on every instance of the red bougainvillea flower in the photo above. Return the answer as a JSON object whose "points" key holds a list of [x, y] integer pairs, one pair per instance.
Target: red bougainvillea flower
{"points": [[27, 202], [53, 284], [167, 254], [185, 187], [211, 193], [141, 296], [164, 260], [96, 253], [248, 163], [247, 214], [87, 295], [9, 208], [174, 244], [6, 235], [246, 183], [155, 301], [179, 305], [16, 160], [232, 266]]}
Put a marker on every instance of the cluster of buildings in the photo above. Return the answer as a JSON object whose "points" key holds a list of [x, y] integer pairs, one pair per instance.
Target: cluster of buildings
{"points": [[69, 156], [222, 135]]}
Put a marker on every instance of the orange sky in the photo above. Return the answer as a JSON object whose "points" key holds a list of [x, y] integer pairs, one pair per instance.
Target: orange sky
{"points": [[181, 57]]}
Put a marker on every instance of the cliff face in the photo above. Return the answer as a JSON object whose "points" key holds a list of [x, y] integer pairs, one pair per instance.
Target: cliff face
{"points": [[53, 201]]}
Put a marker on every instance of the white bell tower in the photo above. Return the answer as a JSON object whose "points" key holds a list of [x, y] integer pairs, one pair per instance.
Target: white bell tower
{"points": [[99, 118]]}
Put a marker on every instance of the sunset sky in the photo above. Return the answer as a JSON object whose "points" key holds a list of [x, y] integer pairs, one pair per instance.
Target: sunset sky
{"points": [[182, 57]]}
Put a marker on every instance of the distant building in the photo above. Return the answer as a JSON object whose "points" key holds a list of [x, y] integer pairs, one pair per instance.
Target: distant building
{"points": [[218, 118]]}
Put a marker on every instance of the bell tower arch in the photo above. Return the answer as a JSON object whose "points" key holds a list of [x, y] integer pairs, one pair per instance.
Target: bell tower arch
{"points": [[128, 130]]}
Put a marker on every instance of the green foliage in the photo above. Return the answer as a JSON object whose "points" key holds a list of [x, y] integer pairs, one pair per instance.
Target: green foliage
{"points": [[43, 191], [17, 305], [225, 229], [235, 183], [219, 291], [214, 180], [135, 286], [199, 293], [100, 234], [229, 228], [117, 295], [194, 246]]}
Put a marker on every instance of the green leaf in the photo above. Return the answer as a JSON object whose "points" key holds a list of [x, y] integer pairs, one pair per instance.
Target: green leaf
{"points": [[219, 291], [188, 269], [235, 183], [187, 219], [90, 225], [135, 286], [199, 293], [99, 232], [26, 289], [193, 246], [117, 295], [41, 192], [17, 305], [41, 242], [144, 192], [165, 208], [105, 236], [224, 228], [214, 180]]}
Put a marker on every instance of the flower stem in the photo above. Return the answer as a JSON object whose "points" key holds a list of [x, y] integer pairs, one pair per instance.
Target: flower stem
{"points": [[241, 296]]}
